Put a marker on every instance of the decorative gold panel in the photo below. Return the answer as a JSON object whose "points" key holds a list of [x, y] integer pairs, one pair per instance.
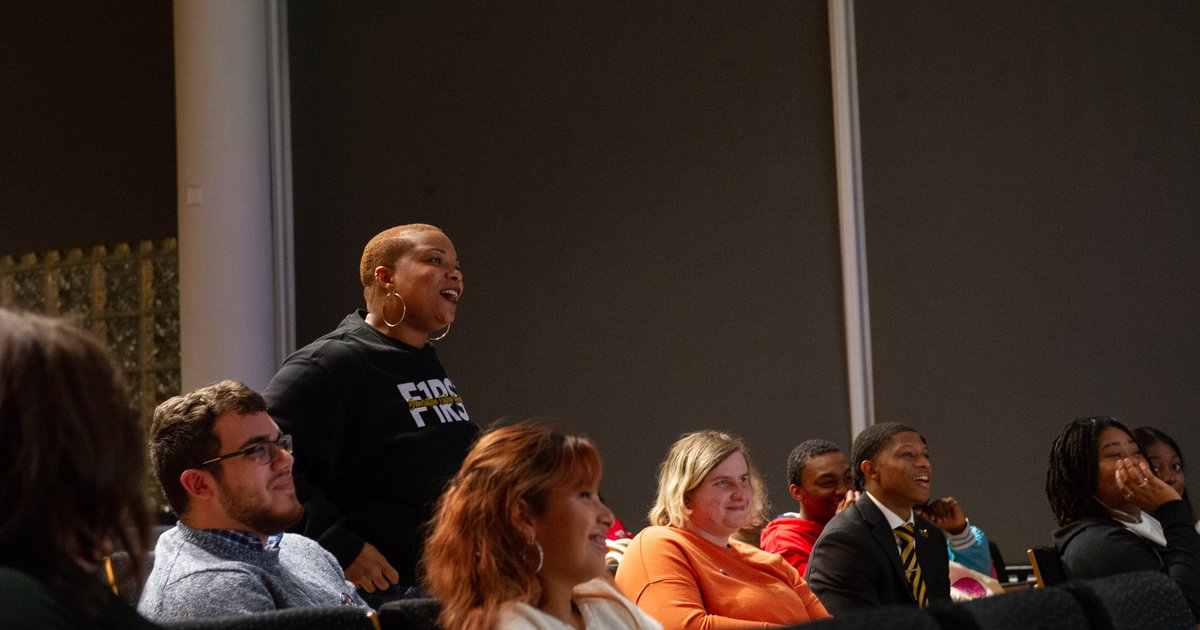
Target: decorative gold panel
{"points": [[129, 299]]}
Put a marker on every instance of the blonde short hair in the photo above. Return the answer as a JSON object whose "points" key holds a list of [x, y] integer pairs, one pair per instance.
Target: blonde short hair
{"points": [[689, 461]]}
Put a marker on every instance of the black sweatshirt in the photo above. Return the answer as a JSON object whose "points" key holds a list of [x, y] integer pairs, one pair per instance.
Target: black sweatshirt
{"points": [[1098, 546], [378, 430]]}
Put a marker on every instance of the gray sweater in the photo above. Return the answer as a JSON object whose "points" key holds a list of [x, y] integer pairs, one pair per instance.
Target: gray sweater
{"points": [[198, 574]]}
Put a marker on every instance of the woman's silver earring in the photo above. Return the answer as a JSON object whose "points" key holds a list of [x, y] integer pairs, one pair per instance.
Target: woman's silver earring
{"points": [[441, 336], [541, 554], [383, 313]]}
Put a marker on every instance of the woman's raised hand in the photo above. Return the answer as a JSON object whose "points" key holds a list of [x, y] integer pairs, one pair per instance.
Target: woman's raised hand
{"points": [[1139, 484]]}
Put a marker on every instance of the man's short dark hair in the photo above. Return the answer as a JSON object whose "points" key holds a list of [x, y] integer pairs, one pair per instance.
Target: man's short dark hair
{"points": [[868, 444], [805, 451], [182, 436]]}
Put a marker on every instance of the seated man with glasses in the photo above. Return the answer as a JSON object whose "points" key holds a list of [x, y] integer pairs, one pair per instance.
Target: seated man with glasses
{"points": [[227, 472]]}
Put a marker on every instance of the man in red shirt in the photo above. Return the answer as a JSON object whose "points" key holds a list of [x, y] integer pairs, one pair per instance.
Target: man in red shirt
{"points": [[821, 482]]}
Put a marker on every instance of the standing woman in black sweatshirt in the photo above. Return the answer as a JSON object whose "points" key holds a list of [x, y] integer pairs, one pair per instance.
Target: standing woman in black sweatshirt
{"points": [[378, 426]]}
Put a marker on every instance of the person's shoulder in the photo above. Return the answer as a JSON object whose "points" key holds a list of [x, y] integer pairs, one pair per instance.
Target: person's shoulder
{"points": [[299, 544], [298, 541], [349, 337], [196, 555], [1088, 528], [656, 545], [212, 574], [19, 589], [1096, 546], [854, 518], [335, 360], [168, 537], [516, 615], [12, 578], [27, 602], [653, 531], [849, 529], [596, 587], [603, 604], [1092, 539], [790, 524], [785, 521], [659, 534]]}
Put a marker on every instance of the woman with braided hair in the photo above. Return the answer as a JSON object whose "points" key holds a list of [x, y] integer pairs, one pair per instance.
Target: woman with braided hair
{"points": [[1115, 515]]}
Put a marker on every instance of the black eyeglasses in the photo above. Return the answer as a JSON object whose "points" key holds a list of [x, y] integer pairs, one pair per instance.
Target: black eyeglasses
{"points": [[262, 453]]}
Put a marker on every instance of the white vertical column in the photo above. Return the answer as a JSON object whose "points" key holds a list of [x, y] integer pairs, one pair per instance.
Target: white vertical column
{"points": [[227, 261], [850, 212], [281, 178]]}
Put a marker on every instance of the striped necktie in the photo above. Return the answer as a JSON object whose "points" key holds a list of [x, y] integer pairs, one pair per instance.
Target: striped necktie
{"points": [[908, 558]]}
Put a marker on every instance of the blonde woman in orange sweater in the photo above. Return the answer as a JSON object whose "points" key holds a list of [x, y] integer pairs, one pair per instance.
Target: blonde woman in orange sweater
{"points": [[685, 570]]}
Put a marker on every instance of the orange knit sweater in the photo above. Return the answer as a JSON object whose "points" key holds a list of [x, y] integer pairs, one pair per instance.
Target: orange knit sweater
{"points": [[685, 581]]}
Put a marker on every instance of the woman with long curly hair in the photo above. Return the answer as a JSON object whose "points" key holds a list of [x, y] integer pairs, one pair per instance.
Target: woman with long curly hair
{"points": [[518, 539], [1115, 515]]}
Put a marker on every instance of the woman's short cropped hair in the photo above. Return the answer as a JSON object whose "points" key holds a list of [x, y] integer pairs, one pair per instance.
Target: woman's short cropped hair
{"points": [[72, 456], [383, 249], [476, 557], [689, 461], [1071, 473]]}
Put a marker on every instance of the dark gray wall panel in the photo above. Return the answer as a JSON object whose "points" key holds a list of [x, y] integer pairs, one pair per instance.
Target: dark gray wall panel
{"points": [[87, 124], [642, 195], [1031, 172]]}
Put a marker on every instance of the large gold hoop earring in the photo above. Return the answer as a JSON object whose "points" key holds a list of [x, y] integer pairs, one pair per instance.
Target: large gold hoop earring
{"points": [[441, 336], [383, 312]]}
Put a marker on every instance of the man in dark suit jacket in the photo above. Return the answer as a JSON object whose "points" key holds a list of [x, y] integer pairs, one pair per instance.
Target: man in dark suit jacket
{"points": [[856, 562]]}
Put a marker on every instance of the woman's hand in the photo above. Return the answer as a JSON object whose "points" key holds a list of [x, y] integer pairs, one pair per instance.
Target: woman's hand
{"points": [[371, 571], [1140, 486]]}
